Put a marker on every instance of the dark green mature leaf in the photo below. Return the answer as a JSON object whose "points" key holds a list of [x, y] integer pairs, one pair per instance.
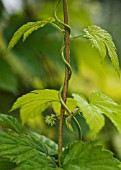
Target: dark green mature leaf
{"points": [[87, 156], [11, 123], [5, 164], [102, 40], [25, 167], [98, 105], [37, 101], [25, 151], [35, 152], [51, 146], [36, 166], [27, 29], [32, 154]]}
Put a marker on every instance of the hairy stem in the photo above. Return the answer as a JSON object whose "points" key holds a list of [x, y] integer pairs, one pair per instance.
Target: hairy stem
{"points": [[67, 75]]}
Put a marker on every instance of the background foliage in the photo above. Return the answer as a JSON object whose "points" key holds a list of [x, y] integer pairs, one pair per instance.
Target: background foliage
{"points": [[31, 65]]}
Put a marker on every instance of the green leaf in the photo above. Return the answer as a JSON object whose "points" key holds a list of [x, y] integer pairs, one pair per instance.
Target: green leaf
{"points": [[110, 108], [35, 167], [51, 146], [11, 123], [34, 152], [71, 104], [102, 40], [27, 29], [35, 103], [87, 156], [25, 151], [98, 105], [91, 113], [5, 164]]}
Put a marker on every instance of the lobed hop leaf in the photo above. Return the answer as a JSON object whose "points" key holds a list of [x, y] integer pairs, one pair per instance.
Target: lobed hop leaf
{"points": [[11, 123], [102, 40], [91, 113], [34, 152], [26, 151], [98, 105], [109, 108], [37, 101], [27, 29], [5, 164], [87, 156]]}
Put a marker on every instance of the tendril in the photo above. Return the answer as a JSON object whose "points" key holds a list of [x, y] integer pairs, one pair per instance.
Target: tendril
{"points": [[70, 71], [57, 19]]}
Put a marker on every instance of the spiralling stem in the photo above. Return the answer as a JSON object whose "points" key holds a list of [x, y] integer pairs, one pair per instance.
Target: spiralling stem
{"points": [[65, 54], [67, 76]]}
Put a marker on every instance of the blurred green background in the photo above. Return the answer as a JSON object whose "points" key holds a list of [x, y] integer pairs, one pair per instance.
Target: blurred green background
{"points": [[36, 63]]}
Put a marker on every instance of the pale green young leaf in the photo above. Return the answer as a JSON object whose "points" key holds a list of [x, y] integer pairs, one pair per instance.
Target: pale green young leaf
{"points": [[11, 123], [110, 108], [27, 29], [87, 156], [35, 102], [71, 104], [98, 105], [102, 40], [56, 107], [91, 113]]}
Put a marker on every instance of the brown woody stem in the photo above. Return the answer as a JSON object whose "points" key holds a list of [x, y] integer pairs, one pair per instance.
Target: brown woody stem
{"points": [[67, 76]]}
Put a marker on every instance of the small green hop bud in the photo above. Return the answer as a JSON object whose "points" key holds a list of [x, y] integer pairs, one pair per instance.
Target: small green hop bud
{"points": [[50, 119]]}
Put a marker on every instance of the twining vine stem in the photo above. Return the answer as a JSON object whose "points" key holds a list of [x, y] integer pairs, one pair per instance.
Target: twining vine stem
{"points": [[65, 53], [67, 75]]}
